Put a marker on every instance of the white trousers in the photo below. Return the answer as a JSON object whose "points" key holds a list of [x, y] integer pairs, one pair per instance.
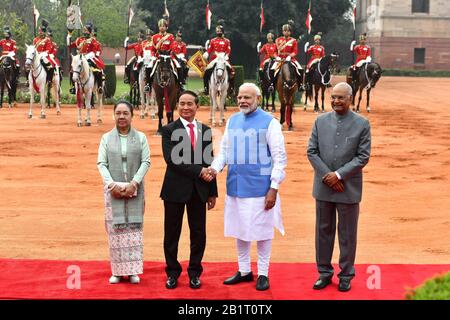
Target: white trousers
{"points": [[264, 249]]}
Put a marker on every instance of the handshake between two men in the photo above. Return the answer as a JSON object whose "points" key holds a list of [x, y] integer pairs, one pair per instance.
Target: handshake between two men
{"points": [[209, 174]]}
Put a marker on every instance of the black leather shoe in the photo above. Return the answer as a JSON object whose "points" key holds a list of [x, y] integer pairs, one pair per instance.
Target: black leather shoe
{"points": [[344, 285], [171, 283], [262, 283], [321, 283], [72, 90], [195, 283], [238, 278]]}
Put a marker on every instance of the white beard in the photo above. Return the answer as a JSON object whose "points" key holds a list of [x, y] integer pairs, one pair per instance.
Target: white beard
{"points": [[248, 110]]}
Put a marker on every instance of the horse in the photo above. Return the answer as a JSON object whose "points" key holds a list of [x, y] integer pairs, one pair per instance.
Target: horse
{"points": [[286, 85], [147, 99], [218, 88], [8, 79], [267, 86], [85, 85], [166, 88], [134, 88], [367, 77], [320, 76], [37, 77]]}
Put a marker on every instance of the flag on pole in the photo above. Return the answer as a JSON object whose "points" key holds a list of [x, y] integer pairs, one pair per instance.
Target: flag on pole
{"points": [[309, 18], [36, 16], [208, 16], [263, 21], [130, 15], [354, 18], [166, 11]]}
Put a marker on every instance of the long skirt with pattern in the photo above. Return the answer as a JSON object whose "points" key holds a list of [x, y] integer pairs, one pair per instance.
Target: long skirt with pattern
{"points": [[126, 247]]}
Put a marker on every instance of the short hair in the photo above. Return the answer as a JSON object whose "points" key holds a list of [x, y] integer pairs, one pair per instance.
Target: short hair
{"points": [[253, 86], [191, 93], [346, 86], [125, 102]]}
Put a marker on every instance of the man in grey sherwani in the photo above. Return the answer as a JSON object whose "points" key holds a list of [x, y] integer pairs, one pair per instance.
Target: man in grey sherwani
{"points": [[338, 149]]}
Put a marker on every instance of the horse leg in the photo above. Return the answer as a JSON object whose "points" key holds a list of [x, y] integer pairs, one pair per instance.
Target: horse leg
{"points": [[323, 99], [222, 108], [57, 87], [42, 96], [316, 99], [1, 94], [368, 100], [359, 98], [282, 113], [100, 107], [88, 107], [30, 112]]}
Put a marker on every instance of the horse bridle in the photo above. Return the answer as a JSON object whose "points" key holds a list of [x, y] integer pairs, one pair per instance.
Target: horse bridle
{"points": [[165, 57], [80, 66], [31, 65]]}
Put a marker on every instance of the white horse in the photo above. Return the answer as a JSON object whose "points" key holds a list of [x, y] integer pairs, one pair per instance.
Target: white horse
{"points": [[148, 102], [37, 78], [218, 88], [85, 85]]}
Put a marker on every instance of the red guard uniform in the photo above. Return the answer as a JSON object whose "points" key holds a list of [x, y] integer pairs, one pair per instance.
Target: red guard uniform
{"points": [[362, 52], [162, 43], [317, 52], [7, 46], [269, 50], [179, 48], [218, 45], [287, 47]]}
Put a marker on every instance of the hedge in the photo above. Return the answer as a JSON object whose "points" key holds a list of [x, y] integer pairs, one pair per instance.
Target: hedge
{"points": [[437, 288]]}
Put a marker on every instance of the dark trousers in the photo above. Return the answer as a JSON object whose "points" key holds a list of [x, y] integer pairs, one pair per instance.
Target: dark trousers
{"points": [[325, 234], [173, 220]]}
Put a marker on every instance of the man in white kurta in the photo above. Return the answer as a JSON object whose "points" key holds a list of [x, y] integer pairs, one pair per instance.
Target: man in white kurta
{"points": [[253, 148]]}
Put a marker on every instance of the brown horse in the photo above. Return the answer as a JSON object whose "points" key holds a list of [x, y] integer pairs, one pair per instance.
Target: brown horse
{"points": [[166, 89], [286, 88], [367, 77]]}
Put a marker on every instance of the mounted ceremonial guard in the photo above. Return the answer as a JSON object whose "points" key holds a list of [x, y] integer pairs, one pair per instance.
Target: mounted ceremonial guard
{"points": [[268, 52], [135, 62], [8, 48], [287, 52], [91, 49], [219, 44], [44, 46], [179, 50], [363, 55], [162, 47], [317, 52]]}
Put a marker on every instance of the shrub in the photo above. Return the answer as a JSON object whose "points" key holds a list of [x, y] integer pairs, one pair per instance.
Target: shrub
{"points": [[437, 288], [238, 77]]}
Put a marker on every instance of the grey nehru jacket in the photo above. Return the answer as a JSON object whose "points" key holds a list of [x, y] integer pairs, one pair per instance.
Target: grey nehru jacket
{"points": [[342, 144]]}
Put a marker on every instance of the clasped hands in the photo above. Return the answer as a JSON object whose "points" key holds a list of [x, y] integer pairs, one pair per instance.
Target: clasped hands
{"points": [[126, 191], [208, 174], [331, 180]]}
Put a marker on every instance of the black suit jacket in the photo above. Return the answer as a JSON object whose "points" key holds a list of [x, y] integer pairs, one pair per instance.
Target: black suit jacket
{"points": [[185, 164]]}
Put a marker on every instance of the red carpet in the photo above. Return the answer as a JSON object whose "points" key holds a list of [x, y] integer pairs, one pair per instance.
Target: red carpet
{"points": [[46, 279]]}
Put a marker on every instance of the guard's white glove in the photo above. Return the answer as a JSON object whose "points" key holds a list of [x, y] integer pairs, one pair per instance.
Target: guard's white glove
{"points": [[140, 59], [352, 45], [258, 47], [369, 59], [44, 54], [277, 59], [90, 55], [306, 46], [68, 39], [226, 57], [206, 55], [180, 56], [125, 42], [11, 54], [288, 58]]}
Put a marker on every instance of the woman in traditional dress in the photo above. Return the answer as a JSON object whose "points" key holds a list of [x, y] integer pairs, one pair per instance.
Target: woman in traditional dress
{"points": [[123, 161]]}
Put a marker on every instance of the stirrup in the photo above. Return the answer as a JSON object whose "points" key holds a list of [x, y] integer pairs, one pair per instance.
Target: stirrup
{"points": [[147, 88], [72, 90]]}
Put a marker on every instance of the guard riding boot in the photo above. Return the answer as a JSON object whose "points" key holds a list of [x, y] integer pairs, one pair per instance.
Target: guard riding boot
{"points": [[180, 79], [72, 85], [27, 83], [206, 82], [261, 77], [99, 79]]}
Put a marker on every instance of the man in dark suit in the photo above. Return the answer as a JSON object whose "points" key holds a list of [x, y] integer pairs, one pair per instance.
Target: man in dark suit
{"points": [[187, 150], [338, 149]]}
